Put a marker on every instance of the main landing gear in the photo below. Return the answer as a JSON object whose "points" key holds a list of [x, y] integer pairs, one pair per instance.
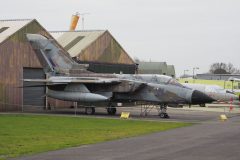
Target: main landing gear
{"points": [[112, 110], [89, 110]]}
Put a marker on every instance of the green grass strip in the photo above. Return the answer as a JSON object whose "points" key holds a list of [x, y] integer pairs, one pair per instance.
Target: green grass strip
{"points": [[30, 134]]}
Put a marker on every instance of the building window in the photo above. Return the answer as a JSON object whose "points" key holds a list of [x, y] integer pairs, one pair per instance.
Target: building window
{"points": [[3, 29], [73, 42]]}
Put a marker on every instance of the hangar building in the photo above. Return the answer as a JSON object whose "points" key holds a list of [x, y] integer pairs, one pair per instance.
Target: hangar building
{"points": [[18, 61], [171, 71], [224, 77], [98, 48], [156, 68]]}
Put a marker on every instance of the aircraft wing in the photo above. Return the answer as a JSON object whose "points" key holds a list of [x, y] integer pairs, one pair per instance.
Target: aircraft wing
{"points": [[117, 85], [67, 80]]}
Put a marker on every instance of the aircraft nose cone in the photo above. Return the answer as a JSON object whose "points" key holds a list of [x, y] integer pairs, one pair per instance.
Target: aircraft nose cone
{"points": [[200, 98]]}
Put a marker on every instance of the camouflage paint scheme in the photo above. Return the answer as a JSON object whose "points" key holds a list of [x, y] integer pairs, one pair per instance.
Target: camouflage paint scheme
{"points": [[91, 87], [216, 92]]}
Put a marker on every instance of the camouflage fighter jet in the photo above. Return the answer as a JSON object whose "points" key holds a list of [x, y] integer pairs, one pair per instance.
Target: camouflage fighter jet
{"points": [[70, 81], [219, 94]]}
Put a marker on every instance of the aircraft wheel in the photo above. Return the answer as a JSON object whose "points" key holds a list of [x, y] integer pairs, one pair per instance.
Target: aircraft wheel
{"points": [[166, 115], [162, 115], [202, 105], [89, 110], [111, 111]]}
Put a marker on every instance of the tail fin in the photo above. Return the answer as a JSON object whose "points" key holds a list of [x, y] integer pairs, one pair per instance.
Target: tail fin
{"points": [[52, 57]]}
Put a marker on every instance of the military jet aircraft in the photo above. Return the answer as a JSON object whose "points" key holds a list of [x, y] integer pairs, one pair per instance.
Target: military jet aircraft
{"points": [[216, 92], [233, 79], [70, 81]]}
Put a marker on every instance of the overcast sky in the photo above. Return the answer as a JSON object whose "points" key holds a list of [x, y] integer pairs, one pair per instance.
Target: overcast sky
{"points": [[185, 33]]}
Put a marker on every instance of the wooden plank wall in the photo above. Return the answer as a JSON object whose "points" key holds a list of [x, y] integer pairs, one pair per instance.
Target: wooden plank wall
{"points": [[16, 53], [105, 49]]}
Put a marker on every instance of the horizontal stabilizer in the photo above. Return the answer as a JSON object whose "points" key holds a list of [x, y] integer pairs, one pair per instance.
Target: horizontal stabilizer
{"points": [[40, 85]]}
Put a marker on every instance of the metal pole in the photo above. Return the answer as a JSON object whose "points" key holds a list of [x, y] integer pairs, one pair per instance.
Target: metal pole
{"points": [[193, 76], [193, 73], [46, 98], [22, 97], [22, 89], [83, 22], [75, 107], [184, 72]]}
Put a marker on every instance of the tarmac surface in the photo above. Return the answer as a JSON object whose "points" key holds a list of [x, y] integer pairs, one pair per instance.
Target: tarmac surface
{"points": [[185, 114], [210, 139]]}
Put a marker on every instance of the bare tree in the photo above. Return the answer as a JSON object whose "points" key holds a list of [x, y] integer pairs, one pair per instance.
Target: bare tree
{"points": [[218, 68], [237, 71], [223, 68], [231, 68]]}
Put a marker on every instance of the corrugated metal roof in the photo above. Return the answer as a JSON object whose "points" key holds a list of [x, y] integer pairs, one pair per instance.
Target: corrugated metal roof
{"points": [[13, 26], [88, 37], [57, 34]]}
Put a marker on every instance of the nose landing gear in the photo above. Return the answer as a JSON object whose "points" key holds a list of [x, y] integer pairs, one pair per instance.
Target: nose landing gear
{"points": [[162, 112]]}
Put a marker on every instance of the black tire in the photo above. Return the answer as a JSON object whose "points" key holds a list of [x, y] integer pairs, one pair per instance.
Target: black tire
{"points": [[202, 105], [112, 111], [166, 115], [162, 115], [89, 110]]}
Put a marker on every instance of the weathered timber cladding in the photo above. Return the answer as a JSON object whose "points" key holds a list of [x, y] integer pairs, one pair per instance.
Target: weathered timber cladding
{"points": [[16, 53], [105, 49]]}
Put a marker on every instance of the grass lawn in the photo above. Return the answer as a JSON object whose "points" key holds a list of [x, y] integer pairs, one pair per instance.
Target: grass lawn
{"points": [[29, 134]]}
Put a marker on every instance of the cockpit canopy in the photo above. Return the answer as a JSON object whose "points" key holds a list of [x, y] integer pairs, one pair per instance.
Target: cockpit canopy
{"points": [[215, 89], [154, 78]]}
